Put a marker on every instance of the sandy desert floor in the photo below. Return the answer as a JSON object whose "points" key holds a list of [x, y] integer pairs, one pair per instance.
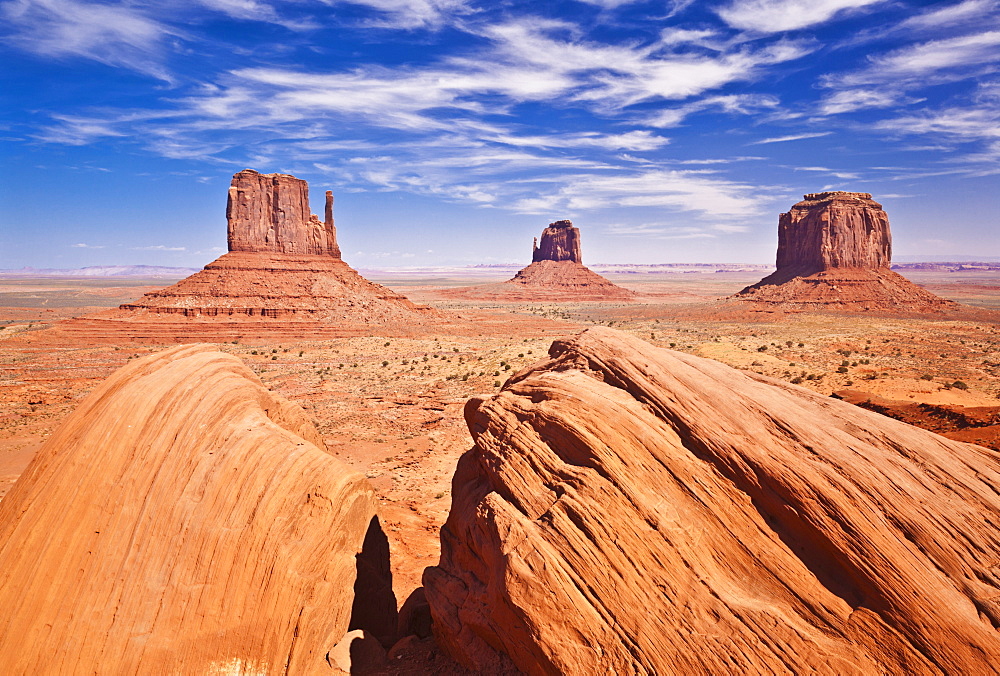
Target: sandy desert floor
{"points": [[392, 407]]}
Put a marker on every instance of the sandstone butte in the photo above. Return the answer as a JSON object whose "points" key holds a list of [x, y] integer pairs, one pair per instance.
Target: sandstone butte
{"points": [[184, 520], [834, 251], [556, 273], [283, 271], [633, 510]]}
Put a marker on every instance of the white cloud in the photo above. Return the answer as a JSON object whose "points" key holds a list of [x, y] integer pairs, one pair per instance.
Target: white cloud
{"points": [[686, 191], [116, 35], [158, 247], [745, 104], [656, 231], [793, 137], [77, 131], [255, 10], [81, 245], [932, 62], [968, 11], [635, 141], [850, 100], [775, 16], [410, 14]]}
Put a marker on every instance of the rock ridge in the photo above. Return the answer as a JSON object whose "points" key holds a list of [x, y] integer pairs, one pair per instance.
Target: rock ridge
{"points": [[210, 532], [630, 509]]}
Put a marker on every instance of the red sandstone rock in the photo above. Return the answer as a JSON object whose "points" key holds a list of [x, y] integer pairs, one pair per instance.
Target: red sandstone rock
{"points": [[556, 274], [560, 242], [270, 213], [282, 264], [183, 520], [629, 509], [834, 230], [834, 250]]}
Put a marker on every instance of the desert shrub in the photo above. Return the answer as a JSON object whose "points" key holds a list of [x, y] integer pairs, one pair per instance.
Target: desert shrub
{"points": [[762, 348], [796, 380], [841, 369], [385, 363], [927, 376], [496, 383], [959, 385]]}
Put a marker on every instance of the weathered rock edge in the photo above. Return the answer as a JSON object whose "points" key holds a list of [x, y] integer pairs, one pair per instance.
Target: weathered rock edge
{"points": [[629, 509], [182, 520]]}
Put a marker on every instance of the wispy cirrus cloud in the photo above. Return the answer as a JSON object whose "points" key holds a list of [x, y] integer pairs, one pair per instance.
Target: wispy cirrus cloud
{"points": [[775, 16], [791, 137], [409, 14], [113, 34], [930, 62]]}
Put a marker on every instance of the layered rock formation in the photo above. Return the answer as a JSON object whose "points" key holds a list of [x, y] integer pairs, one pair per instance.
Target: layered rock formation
{"points": [[629, 509], [185, 520], [556, 273], [270, 213], [283, 263], [560, 242], [834, 250]]}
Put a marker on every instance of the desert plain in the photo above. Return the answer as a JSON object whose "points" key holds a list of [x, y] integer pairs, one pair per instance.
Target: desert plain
{"points": [[390, 403]]}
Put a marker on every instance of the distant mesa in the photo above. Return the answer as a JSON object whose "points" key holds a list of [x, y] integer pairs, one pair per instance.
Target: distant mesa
{"points": [[834, 251], [283, 276], [184, 520], [556, 273], [628, 509], [283, 263]]}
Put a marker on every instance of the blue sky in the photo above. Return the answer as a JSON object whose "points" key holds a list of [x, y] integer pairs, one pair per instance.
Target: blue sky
{"points": [[453, 131]]}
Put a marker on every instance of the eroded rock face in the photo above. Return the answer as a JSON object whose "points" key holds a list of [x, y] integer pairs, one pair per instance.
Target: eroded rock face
{"points": [[834, 251], [184, 520], [834, 230], [560, 242], [629, 509], [269, 213], [555, 274], [283, 264]]}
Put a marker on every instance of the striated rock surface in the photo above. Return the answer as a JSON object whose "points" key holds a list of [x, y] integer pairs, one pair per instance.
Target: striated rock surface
{"points": [[834, 230], [283, 263], [270, 213], [556, 274], [834, 251], [185, 520], [560, 242], [629, 509]]}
